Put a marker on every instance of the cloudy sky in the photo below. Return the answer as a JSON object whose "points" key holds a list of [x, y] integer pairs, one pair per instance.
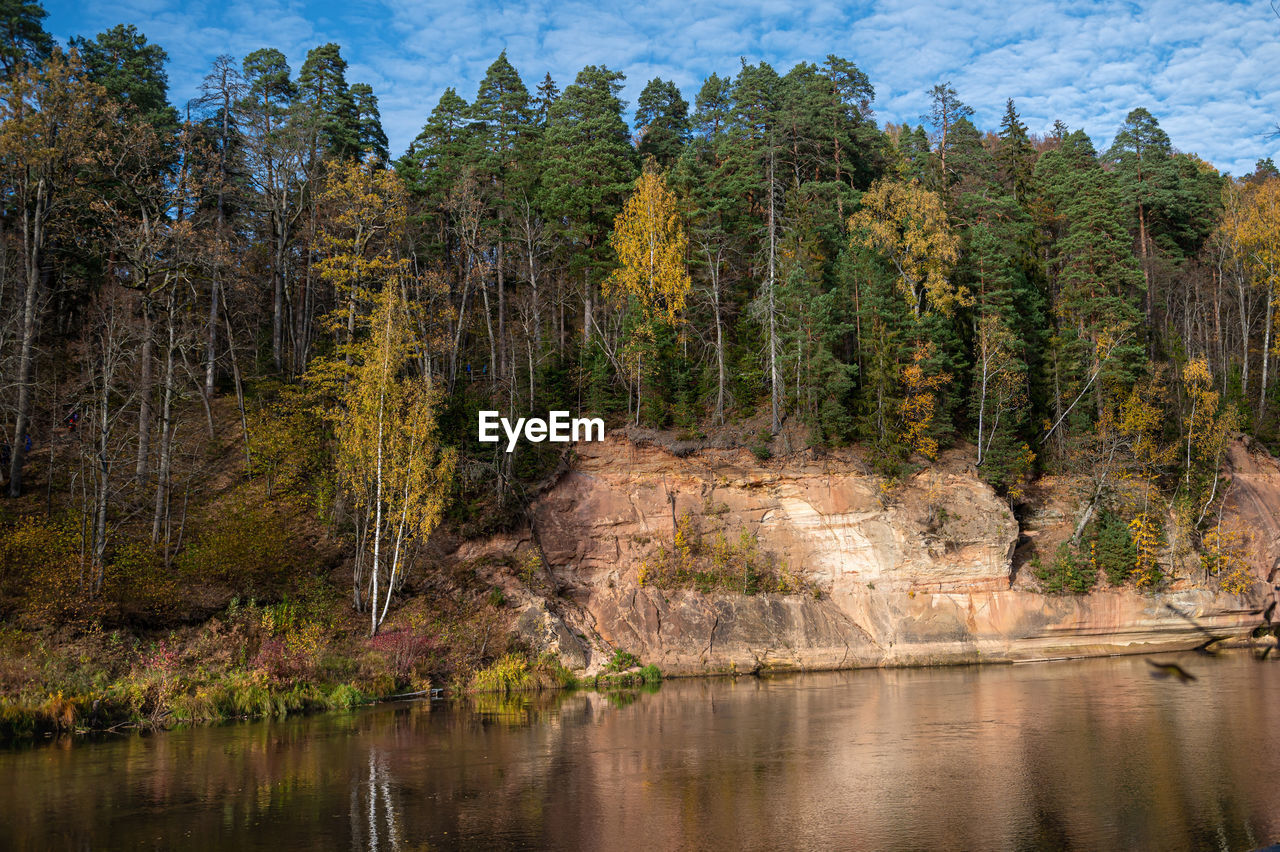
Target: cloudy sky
{"points": [[1210, 71]]}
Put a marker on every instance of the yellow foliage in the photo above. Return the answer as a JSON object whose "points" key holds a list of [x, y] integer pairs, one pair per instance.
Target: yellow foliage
{"points": [[1147, 535], [1223, 554], [1142, 417], [390, 461], [919, 404], [650, 243], [1251, 222], [1207, 428], [366, 209], [1017, 486], [907, 225]]}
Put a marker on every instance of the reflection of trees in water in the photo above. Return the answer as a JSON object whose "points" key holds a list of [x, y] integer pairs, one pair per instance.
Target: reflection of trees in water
{"points": [[1090, 755], [375, 825]]}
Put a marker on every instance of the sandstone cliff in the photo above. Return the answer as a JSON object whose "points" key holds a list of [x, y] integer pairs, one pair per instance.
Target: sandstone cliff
{"points": [[920, 573]]}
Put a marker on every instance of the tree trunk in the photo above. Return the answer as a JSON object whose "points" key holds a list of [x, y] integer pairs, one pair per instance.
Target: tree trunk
{"points": [[235, 374], [102, 485], [166, 432], [586, 309], [504, 359], [1266, 359], [33, 245], [715, 297], [145, 380], [277, 293], [774, 379]]}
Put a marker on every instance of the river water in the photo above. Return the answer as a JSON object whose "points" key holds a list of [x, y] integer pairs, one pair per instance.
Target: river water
{"points": [[1090, 755]]}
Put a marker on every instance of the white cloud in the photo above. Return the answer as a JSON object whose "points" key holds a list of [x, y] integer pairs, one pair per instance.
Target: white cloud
{"points": [[1205, 70]]}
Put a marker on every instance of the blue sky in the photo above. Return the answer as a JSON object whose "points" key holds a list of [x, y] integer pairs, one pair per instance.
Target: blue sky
{"points": [[1210, 71]]}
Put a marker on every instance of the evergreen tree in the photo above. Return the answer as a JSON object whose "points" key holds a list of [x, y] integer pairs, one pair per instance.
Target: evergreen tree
{"points": [[548, 93], [371, 139], [23, 39], [501, 117], [1016, 155], [713, 108], [752, 165], [436, 156], [1099, 287], [328, 107], [588, 166], [662, 121], [855, 141], [277, 152], [915, 159], [131, 69], [1142, 156], [944, 111]]}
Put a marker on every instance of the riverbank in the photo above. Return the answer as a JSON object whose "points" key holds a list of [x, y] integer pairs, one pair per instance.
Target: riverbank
{"points": [[251, 662], [690, 561], [108, 681]]}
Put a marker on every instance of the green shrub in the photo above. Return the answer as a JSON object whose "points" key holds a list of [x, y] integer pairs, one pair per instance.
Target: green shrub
{"points": [[514, 673], [1114, 550], [1067, 573], [691, 559], [622, 660], [760, 446]]}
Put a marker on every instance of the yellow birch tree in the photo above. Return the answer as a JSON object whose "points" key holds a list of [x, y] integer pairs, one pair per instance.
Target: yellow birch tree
{"points": [[390, 460], [906, 224], [391, 466], [919, 405], [1254, 230], [651, 246]]}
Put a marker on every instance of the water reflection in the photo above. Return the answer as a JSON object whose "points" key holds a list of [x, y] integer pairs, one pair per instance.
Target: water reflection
{"points": [[373, 815], [1087, 755]]}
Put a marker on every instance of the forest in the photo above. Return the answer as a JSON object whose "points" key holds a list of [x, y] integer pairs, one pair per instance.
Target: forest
{"points": [[244, 344]]}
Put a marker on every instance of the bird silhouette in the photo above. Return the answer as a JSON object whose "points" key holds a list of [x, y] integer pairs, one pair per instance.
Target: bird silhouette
{"points": [[1161, 671]]}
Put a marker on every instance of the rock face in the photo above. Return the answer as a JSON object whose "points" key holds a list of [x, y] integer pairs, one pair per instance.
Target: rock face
{"points": [[1252, 507], [918, 574]]}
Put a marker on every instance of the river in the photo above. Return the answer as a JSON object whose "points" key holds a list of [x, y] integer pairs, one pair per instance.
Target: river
{"points": [[1091, 755]]}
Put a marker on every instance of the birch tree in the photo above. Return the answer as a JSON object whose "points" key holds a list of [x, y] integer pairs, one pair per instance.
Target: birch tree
{"points": [[390, 460], [651, 245]]}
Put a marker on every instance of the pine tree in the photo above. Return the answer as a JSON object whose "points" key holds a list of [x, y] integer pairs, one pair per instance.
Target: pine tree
{"points": [[1016, 155], [371, 139], [548, 93], [854, 138], [662, 122], [326, 103], [500, 134], [23, 39], [1142, 155], [277, 150], [944, 111], [434, 164], [1099, 285], [588, 166], [752, 161], [131, 69]]}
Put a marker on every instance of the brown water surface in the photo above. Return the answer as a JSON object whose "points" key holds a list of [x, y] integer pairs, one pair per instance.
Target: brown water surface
{"points": [[1090, 755]]}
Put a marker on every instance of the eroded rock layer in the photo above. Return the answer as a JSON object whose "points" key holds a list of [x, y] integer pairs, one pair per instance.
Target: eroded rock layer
{"points": [[920, 573]]}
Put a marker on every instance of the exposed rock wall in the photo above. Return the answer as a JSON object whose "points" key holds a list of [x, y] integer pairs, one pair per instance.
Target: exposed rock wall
{"points": [[918, 574]]}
